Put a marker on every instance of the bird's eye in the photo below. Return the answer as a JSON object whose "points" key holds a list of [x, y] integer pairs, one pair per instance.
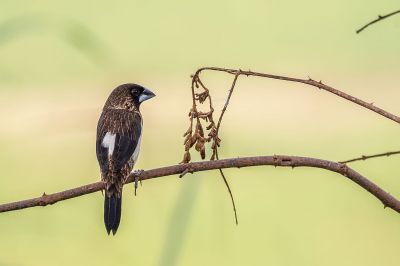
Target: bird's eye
{"points": [[134, 92]]}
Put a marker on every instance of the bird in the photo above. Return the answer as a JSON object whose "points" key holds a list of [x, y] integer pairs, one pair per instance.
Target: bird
{"points": [[119, 133]]}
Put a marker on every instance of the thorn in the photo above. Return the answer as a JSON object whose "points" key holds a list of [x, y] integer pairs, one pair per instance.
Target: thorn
{"points": [[276, 160], [44, 194]]}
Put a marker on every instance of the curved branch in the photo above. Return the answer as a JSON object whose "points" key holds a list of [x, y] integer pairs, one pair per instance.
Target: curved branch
{"points": [[276, 160], [377, 20], [311, 82]]}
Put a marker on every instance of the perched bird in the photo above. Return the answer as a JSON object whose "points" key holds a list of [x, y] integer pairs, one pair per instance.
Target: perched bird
{"points": [[119, 132]]}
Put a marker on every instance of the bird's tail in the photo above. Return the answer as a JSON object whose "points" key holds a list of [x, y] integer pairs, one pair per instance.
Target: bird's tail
{"points": [[112, 212]]}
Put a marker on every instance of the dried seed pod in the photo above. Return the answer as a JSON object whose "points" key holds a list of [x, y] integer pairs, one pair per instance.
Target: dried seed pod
{"points": [[199, 145], [186, 157], [188, 132], [193, 139], [201, 97], [213, 132], [199, 129], [218, 141], [203, 152], [187, 138], [213, 145], [190, 142]]}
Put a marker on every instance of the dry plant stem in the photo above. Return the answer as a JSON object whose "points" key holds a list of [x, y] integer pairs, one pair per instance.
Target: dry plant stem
{"points": [[310, 82], [276, 160], [216, 147], [229, 190], [213, 135], [196, 82], [227, 101], [365, 157], [377, 20]]}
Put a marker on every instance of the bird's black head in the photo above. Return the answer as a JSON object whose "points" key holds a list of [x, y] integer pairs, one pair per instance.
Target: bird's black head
{"points": [[128, 96]]}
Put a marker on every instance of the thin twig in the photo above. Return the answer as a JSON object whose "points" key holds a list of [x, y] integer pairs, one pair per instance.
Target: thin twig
{"points": [[377, 20], [198, 136], [216, 147], [229, 191], [276, 160], [227, 100], [365, 157]]}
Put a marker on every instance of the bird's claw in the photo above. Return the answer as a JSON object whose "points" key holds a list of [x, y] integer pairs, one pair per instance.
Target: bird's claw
{"points": [[137, 174]]}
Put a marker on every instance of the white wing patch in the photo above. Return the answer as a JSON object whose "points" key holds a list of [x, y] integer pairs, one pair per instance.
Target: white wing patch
{"points": [[109, 142], [135, 154]]}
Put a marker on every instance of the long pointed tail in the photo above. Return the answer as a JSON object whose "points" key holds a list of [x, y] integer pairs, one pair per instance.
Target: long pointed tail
{"points": [[112, 212]]}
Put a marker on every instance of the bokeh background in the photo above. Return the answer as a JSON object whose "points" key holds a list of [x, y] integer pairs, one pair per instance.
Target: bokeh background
{"points": [[59, 60]]}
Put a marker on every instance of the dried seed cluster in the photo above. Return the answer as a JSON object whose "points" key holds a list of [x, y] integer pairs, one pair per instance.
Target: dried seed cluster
{"points": [[196, 135]]}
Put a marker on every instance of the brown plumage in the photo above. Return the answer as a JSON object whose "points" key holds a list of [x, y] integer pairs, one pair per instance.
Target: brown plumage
{"points": [[119, 133]]}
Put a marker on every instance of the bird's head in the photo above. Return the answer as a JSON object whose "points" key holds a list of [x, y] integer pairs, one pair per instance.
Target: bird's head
{"points": [[128, 96]]}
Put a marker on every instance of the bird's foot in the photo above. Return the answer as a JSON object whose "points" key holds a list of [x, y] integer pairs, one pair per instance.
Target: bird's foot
{"points": [[137, 174]]}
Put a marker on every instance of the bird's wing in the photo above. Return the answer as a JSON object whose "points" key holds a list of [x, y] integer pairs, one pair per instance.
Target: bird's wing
{"points": [[118, 134]]}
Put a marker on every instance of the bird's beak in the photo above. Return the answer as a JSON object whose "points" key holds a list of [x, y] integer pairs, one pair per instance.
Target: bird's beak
{"points": [[146, 94]]}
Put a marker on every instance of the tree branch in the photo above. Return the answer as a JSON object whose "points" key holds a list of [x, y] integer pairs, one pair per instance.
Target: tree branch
{"points": [[276, 160], [311, 82], [365, 157], [377, 20], [195, 136]]}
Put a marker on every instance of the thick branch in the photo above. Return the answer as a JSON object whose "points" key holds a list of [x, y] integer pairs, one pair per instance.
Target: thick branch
{"points": [[377, 20], [277, 160]]}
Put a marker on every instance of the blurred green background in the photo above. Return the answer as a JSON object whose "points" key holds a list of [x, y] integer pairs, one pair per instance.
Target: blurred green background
{"points": [[59, 60]]}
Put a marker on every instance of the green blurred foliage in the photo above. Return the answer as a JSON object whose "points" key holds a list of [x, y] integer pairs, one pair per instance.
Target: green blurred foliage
{"points": [[60, 59]]}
